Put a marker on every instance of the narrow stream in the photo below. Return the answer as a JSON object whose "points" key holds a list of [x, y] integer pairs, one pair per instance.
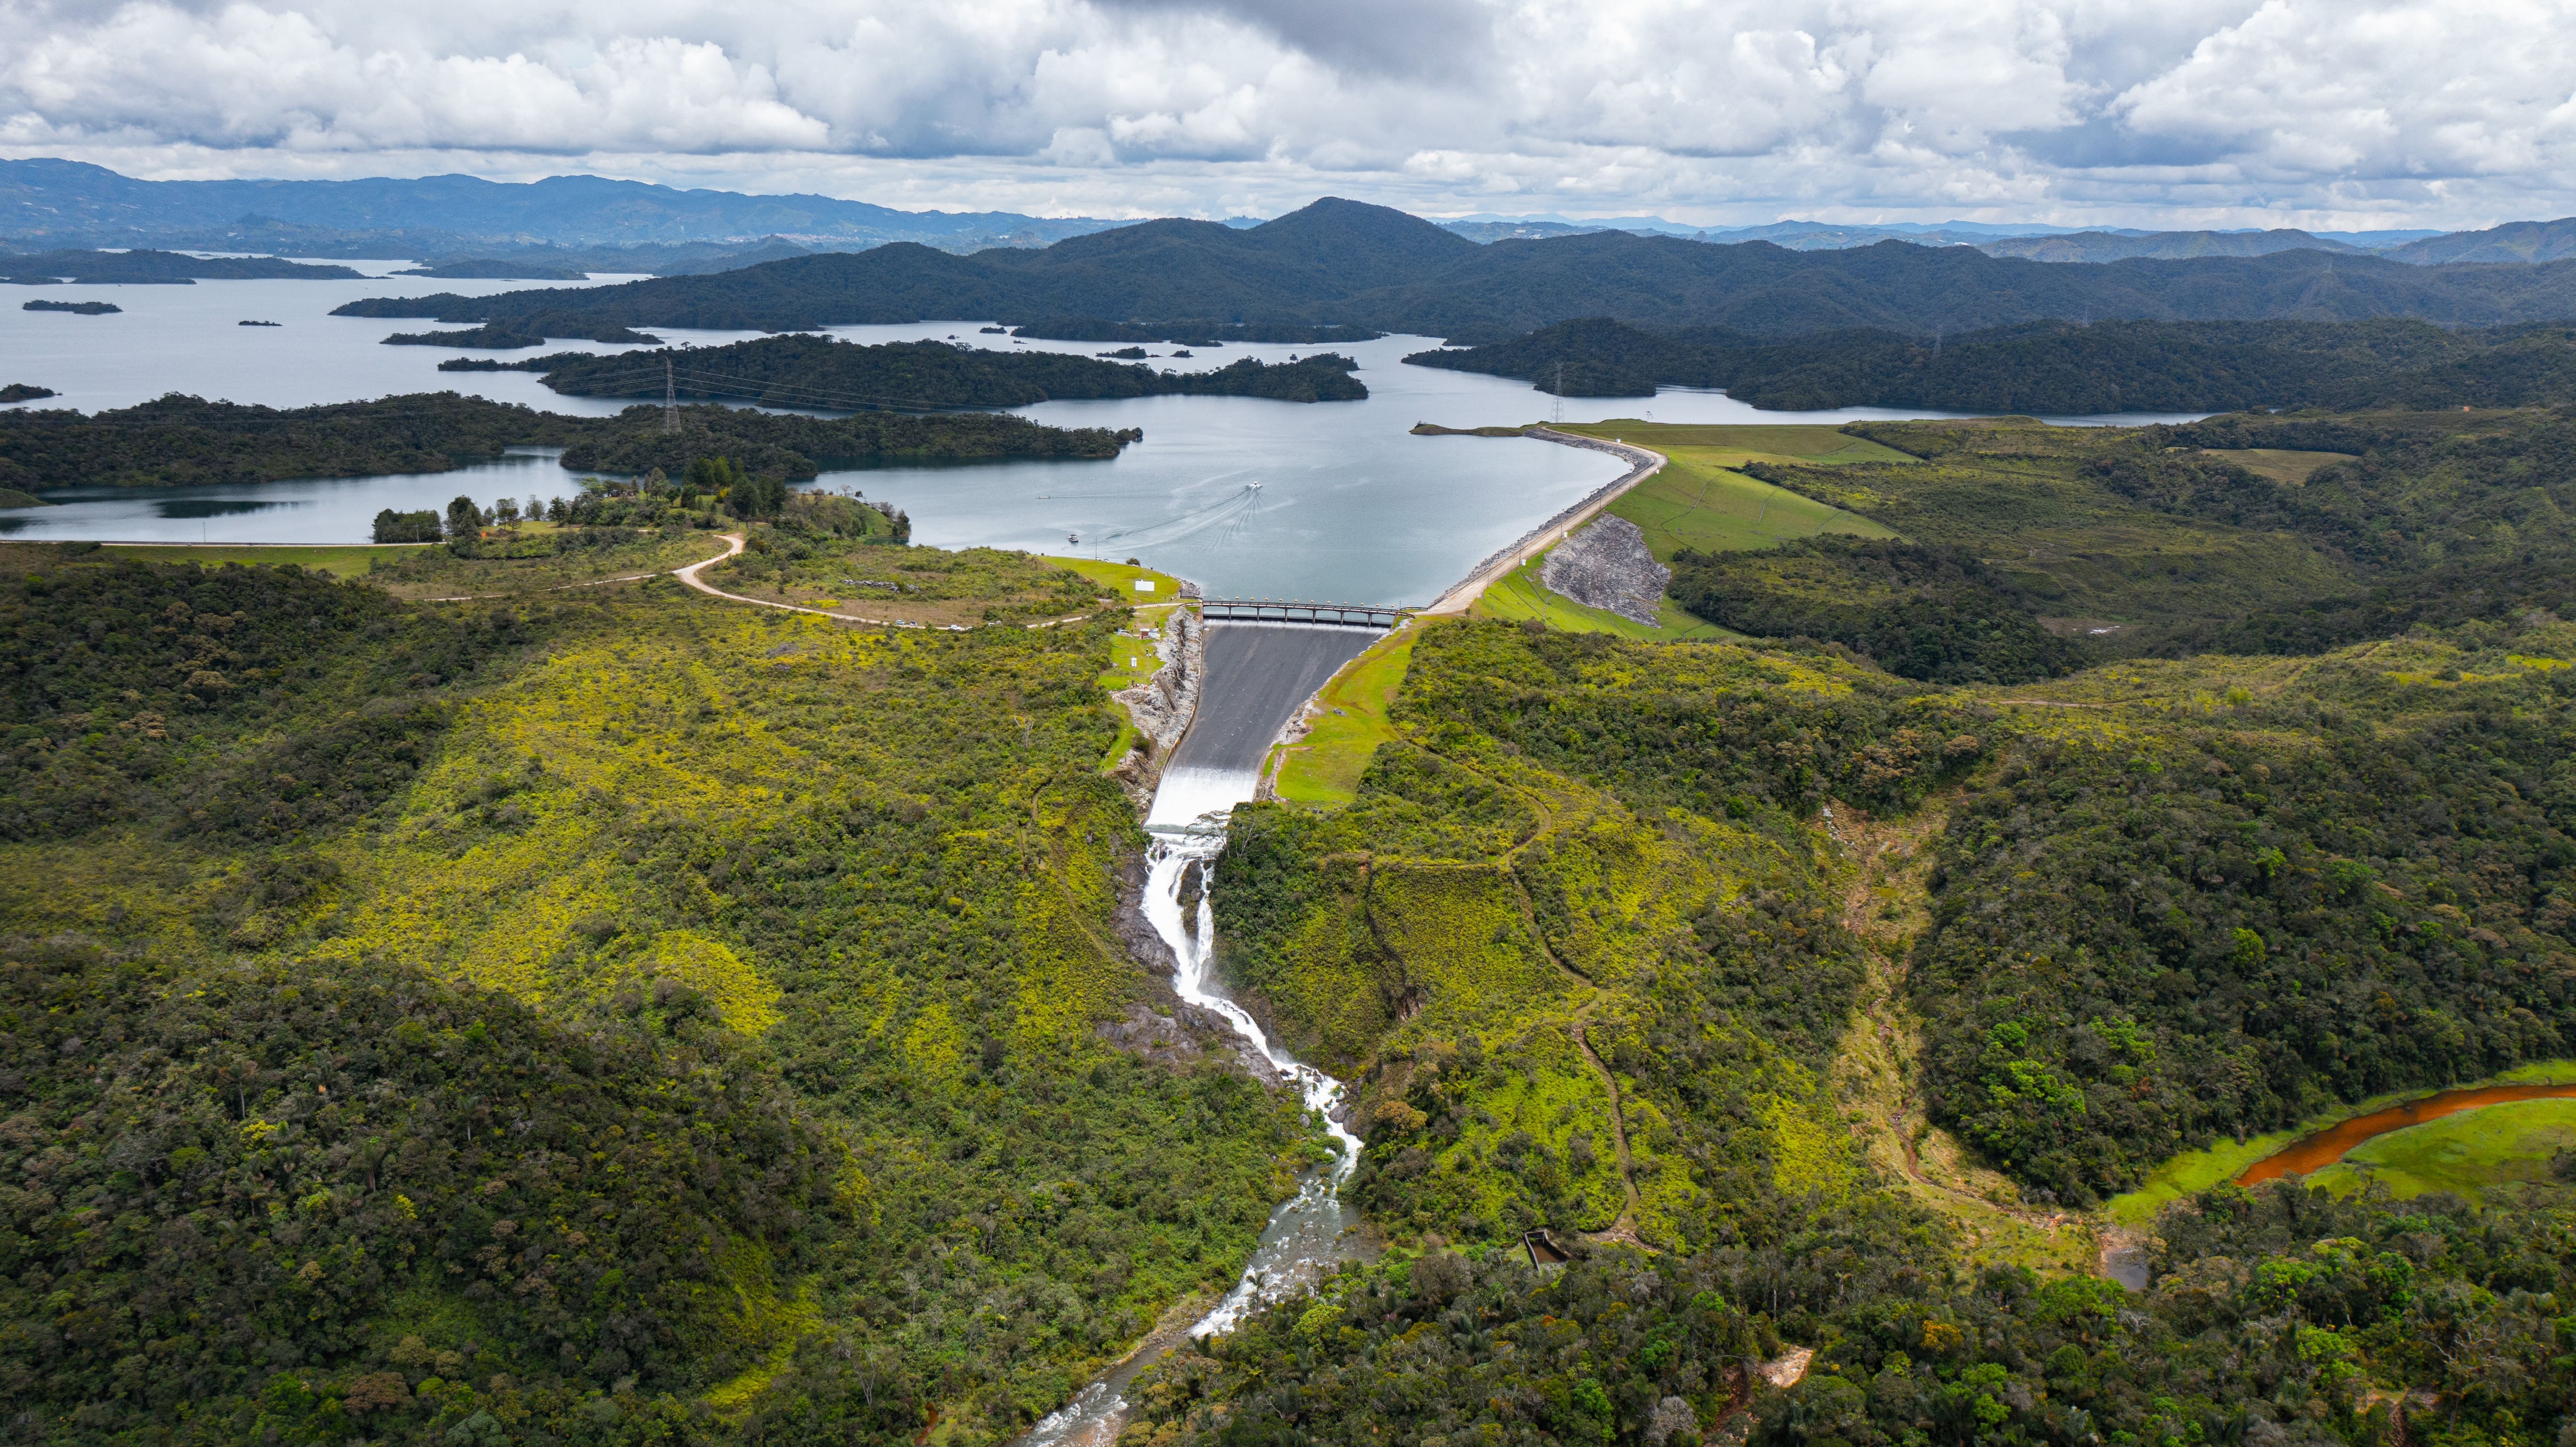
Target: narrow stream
{"points": [[2316, 1152], [1309, 1233]]}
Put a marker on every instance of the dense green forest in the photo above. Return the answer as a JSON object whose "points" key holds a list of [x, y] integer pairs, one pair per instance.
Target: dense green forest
{"points": [[2285, 1318], [805, 371], [186, 440], [1188, 332], [2055, 367], [1343, 263], [605, 1015], [1936, 614]]}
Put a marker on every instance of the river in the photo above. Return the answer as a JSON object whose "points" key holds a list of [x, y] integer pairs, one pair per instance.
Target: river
{"points": [[1212, 771]]}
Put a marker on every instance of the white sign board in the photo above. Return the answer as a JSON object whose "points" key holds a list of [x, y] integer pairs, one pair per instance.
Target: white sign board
{"points": [[1144, 585]]}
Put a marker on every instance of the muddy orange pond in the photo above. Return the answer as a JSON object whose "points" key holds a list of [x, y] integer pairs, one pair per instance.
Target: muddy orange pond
{"points": [[2316, 1152]]}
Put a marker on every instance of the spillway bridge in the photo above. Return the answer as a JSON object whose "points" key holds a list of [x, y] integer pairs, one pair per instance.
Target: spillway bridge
{"points": [[1284, 610]]}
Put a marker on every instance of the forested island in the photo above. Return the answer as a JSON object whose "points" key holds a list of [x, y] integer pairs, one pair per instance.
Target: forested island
{"points": [[805, 371], [144, 266], [524, 332], [1205, 332], [75, 308], [180, 441], [2055, 367]]}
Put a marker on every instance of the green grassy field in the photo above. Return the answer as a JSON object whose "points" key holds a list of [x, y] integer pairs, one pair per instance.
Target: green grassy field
{"points": [[2464, 1153], [1131, 659], [2195, 1171], [2279, 463], [1699, 501], [1122, 578], [434, 572], [1519, 594], [1733, 445], [339, 562], [1324, 769]]}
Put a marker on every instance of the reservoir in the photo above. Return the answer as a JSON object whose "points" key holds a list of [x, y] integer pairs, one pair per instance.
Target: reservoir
{"points": [[1349, 506]]}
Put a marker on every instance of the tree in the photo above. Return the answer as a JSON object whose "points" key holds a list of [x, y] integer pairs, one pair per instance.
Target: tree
{"points": [[406, 527], [464, 520]]}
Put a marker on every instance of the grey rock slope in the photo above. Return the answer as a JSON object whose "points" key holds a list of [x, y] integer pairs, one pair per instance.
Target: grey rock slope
{"points": [[1607, 565]]}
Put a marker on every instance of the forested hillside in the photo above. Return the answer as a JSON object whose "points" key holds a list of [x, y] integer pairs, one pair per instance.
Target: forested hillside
{"points": [[2054, 367], [614, 1014], [2242, 534], [2123, 913], [597, 1015], [147, 267]]}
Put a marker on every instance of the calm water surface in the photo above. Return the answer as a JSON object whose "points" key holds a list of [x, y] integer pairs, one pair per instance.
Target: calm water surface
{"points": [[1327, 500]]}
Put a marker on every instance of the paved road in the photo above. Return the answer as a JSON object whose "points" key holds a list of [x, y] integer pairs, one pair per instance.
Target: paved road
{"points": [[1257, 675]]}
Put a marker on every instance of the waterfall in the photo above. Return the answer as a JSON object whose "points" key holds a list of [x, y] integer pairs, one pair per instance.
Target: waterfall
{"points": [[1308, 1234], [1314, 1220]]}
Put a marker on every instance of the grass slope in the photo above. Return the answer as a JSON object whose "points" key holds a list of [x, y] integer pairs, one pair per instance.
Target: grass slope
{"points": [[1324, 768], [1699, 500]]}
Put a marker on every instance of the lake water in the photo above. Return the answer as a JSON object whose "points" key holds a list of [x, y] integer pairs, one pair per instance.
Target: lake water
{"points": [[1331, 500]]}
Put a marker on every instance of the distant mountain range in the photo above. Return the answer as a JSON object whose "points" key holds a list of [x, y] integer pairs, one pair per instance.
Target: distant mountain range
{"points": [[530, 229], [1348, 263], [55, 203], [2515, 241]]}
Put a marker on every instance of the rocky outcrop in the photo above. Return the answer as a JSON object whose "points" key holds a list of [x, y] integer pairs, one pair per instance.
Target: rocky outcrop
{"points": [[1162, 704], [1176, 1033], [1144, 943], [1608, 566]]}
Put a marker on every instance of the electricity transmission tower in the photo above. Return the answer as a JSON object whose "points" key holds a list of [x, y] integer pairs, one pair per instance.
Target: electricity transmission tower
{"points": [[670, 400], [1559, 419]]}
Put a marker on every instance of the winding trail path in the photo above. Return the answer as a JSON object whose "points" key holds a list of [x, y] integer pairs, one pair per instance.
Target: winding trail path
{"points": [[734, 546]]}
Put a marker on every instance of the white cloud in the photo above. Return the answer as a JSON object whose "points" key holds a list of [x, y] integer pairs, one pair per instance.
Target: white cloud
{"points": [[2321, 112]]}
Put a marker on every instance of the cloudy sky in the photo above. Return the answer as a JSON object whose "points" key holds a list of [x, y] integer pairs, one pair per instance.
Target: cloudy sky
{"points": [[2155, 112]]}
